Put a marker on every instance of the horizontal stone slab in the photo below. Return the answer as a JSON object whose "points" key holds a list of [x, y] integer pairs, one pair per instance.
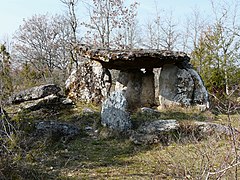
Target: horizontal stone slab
{"points": [[134, 59], [34, 93]]}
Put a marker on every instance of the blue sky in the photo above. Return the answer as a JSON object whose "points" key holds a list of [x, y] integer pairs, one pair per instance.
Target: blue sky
{"points": [[12, 12]]}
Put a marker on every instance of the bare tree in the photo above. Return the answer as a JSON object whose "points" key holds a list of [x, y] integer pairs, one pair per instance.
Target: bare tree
{"points": [[43, 42], [110, 20], [127, 36], [153, 33], [72, 18], [170, 33], [162, 33]]}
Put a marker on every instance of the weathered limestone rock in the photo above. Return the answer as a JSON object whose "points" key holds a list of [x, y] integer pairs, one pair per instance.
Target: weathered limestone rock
{"points": [[45, 96], [154, 132], [51, 100], [35, 93], [179, 84], [147, 95], [114, 112], [200, 96], [122, 81], [56, 129], [163, 130], [207, 128], [134, 88], [91, 83], [139, 87], [159, 126], [181, 87], [133, 59], [149, 110]]}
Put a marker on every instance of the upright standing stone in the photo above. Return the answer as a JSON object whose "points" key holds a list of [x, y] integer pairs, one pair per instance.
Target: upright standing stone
{"points": [[148, 90], [131, 83], [90, 83], [122, 81], [200, 96], [181, 87], [114, 112], [134, 88]]}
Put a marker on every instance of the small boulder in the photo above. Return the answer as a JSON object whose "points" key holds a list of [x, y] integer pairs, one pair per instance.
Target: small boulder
{"points": [[149, 110], [67, 101], [114, 112], [159, 126], [163, 130], [87, 110], [40, 103], [207, 128], [154, 132], [56, 129], [34, 93]]}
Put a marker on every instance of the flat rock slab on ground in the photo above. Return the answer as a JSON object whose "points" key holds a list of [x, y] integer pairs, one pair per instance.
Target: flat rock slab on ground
{"points": [[51, 100], [57, 129], [162, 130], [35, 93]]}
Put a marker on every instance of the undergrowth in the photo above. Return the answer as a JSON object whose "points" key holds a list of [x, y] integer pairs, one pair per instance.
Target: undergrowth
{"points": [[92, 155]]}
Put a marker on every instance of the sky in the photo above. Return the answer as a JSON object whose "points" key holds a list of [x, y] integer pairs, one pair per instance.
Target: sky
{"points": [[12, 12]]}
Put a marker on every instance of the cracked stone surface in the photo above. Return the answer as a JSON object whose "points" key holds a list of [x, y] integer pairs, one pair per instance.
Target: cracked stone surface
{"points": [[133, 59], [181, 87], [114, 114]]}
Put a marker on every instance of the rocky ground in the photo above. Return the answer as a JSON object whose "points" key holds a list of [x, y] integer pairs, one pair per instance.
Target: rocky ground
{"points": [[69, 142]]}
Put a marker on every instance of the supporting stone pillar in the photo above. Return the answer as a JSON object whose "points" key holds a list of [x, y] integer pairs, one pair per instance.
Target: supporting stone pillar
{"points": [[131, 83], [138, 87], [148, 89], [134, 88], [181, 87], [167, 86], [122, 81]]}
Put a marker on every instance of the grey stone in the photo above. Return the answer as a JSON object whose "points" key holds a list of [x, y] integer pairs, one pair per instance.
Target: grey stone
{"points": [[147, 95], [161, 130], [134, 58], [200, 96], [67, 101], [139, 88], [122, 81], [35, 93], [134, 88], [207, 128], [139, 139], [181, 87], [90, 83], [114, 112], [155, 132], [51, 100], [159, 126], [56, 129], [88, 110], [149, 110]]}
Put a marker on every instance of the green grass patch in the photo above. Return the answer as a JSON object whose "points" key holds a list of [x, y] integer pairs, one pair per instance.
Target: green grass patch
{"points": [[115, 157]]}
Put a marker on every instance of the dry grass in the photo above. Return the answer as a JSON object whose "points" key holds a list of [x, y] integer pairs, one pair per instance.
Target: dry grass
{"points": [[90, 156]]}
